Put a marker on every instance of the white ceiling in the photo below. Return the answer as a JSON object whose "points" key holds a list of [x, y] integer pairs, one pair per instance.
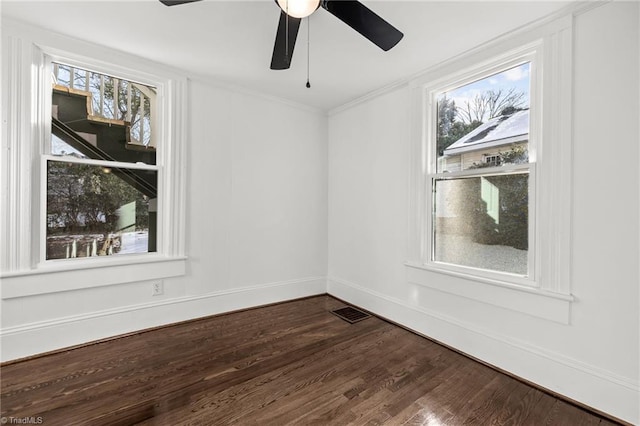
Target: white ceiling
{"points": [[232, 41]]}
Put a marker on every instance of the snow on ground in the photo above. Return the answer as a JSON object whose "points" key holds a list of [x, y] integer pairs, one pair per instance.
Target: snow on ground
{"points": [[134, 242]]}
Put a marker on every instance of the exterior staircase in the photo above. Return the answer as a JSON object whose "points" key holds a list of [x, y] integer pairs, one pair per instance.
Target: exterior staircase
{"points": [[101, 138], [105, 118]]}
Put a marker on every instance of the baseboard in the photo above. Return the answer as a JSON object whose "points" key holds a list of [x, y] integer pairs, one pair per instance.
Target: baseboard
{"points": [[46, 336], [589, 385]]}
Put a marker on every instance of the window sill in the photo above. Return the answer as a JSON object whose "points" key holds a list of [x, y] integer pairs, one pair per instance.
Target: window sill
{"points": [[58, 276], [527, 300]]}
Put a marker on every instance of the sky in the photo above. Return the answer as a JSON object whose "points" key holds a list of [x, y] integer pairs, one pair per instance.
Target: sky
{"points": [[60, 147], [517, 77]]}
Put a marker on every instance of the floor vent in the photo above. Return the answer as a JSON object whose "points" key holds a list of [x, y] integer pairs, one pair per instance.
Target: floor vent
{"points": [[350, 314]]}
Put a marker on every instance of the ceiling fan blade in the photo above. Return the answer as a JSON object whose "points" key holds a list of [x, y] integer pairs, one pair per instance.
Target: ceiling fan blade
{"points": [[176, 2], [365, 21], [285, 42]]}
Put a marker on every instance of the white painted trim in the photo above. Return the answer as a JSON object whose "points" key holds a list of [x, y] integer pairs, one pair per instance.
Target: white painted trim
{"points": [[491, 171], [519, 298], [31, 339], [549, 48], [100, 163], [17, 153], [466, 72], [575, 379], [76, 274], [554, 162], [172, 176], [30, 52]]}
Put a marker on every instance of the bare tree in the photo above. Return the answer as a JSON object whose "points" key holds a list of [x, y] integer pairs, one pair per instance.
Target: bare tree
{"points": [[490, 104]]}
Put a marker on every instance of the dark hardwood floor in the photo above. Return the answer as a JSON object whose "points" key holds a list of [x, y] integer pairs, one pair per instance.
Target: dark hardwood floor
{"points": [[290, 363]]}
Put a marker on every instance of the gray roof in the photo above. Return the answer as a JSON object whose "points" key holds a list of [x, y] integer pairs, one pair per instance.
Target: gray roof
{"points": [[501, 130]]}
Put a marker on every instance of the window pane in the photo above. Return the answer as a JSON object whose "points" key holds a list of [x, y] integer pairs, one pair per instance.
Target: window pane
{"points": [[484, 123], [99, 211], [60, 147], [63, 77], [482, 222], [104, 117], [80, 79]]}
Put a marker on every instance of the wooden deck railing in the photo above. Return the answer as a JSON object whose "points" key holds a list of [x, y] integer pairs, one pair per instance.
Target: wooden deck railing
{"points": [[112, 98]]}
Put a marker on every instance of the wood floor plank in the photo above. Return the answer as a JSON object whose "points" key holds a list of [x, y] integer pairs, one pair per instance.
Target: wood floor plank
{"points": [[316, 371], [516, 408], [290, 363], [342, 388]]}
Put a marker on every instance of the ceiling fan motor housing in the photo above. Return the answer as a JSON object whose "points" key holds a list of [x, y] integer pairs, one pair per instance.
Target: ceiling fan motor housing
{"points": [[298, 8]]}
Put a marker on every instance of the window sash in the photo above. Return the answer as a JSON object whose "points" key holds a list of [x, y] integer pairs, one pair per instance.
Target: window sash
{"points": [[27, 104], [430, 257], [485, 171], [102, 163], [547, 294], [45, 159], [44, 85], [431, 174], [530, 280]]}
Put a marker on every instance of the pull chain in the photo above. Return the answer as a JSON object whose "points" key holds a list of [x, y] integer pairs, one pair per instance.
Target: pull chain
{"points": [[286, 33], [308, 51]]}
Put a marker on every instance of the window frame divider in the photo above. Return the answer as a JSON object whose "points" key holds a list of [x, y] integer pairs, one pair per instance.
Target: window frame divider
{"points": [[103, 163]]}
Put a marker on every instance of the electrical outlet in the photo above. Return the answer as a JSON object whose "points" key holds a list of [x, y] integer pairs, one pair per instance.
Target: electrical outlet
{"points": [[157, 288]]}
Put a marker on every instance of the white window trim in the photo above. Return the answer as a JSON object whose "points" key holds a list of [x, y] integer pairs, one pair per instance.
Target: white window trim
{"points": [[26, 81], [485, 274], [547, 293], [527, 54], [43, 262]]}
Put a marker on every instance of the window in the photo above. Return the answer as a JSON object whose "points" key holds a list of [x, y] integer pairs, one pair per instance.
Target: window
{"points": [[494, 224], [493, 160], [102, 176], [480, 177], [80, 212]]}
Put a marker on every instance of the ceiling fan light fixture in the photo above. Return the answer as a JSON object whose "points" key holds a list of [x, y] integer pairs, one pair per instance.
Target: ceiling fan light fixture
{"points": [[298, 8]]}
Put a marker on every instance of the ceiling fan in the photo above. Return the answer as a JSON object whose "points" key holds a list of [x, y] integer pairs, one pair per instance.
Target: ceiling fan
{"points": [[351, 12]]}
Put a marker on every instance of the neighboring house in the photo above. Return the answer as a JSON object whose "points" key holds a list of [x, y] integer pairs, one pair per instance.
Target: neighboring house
{"points": [[487, 210], [485, 143]]}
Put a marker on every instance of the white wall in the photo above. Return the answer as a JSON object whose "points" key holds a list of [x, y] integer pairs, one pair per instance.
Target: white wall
{"points": [[256, 228], [594, 359], [257, 191]]}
